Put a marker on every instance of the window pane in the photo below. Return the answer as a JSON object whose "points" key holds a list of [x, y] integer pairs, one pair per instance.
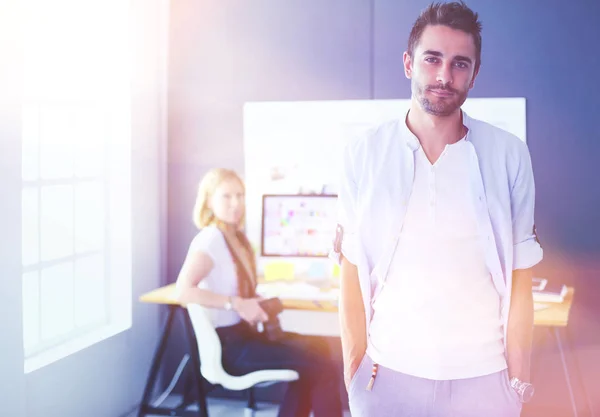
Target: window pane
{"points": [[30, 157], [89, 143], [61, 64], [57, 300], [90, 291], [89, 216], [31, 310], [76, 144], [56, 141], [56, 221], [30, 226]]}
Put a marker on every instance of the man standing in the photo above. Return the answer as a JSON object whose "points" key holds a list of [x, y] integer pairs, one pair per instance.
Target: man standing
{"points": [[436, 241]]}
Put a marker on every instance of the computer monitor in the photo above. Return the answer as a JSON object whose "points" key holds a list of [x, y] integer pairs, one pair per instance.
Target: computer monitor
{"points": [[298, 225]]}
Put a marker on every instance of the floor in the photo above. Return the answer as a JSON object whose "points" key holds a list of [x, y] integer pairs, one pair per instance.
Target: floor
{"points": [[232, 408]]}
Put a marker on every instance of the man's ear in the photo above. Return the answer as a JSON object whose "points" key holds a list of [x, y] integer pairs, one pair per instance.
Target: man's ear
{"points": [[407, 60]]}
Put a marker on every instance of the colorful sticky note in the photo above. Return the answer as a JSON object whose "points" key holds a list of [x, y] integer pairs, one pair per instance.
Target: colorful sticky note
{"points": [[336, 270], [279, 270]]}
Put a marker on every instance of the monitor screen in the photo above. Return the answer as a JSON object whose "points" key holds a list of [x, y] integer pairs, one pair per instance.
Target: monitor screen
{"points": [[298, 225]]}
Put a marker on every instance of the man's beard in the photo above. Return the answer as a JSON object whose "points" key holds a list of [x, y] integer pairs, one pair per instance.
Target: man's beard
{"points": [[443, 107]]}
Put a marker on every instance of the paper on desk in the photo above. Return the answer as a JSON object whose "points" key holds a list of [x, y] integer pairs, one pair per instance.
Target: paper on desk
{"points": [[297, 291]]}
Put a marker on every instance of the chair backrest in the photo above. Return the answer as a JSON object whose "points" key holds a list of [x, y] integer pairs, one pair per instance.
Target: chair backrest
{"points": [[209, 345]]}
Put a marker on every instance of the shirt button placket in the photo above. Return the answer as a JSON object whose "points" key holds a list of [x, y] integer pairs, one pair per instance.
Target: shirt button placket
{"points": [[432, 196]]}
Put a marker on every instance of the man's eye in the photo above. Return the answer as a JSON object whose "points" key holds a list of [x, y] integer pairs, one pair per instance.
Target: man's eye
{"points": [[462, 65], [431, 60]]}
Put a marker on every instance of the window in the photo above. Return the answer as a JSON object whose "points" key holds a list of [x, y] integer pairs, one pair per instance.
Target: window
{"points": [[76, 161]]}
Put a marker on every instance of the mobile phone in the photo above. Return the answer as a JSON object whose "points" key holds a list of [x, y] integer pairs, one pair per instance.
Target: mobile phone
{"points": [[271, 306]]}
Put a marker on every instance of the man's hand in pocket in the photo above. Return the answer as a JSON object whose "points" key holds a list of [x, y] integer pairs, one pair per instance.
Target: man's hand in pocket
{"points": [[350, 369]]}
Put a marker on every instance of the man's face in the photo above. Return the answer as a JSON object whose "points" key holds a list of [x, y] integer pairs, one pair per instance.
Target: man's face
{"points": [[442, 69]]}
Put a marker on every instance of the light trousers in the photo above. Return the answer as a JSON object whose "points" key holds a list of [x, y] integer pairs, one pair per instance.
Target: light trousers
{"points": [[395, 394]]}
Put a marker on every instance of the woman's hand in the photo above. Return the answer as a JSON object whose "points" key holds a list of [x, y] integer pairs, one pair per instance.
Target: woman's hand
{"points": [[250, 310]]}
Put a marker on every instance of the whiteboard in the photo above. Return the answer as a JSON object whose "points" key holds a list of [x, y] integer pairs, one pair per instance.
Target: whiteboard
{"points": [[295, 147]]}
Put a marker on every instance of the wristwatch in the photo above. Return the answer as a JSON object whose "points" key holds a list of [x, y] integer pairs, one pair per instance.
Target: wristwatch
{"points": [[524, 389], [228, 304]]}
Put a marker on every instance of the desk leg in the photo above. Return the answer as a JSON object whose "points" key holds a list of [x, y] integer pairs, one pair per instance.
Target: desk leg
{"points": [[194, 355], [160, 351], [566, 370], [537, 350]]}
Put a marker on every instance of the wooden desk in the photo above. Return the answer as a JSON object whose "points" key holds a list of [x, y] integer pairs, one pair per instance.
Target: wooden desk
{"points": [[557, 315], [162, 295]]}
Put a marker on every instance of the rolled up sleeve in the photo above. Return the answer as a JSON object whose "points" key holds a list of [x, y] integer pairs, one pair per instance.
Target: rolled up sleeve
{"points": [[527, 250], [346, 239]]}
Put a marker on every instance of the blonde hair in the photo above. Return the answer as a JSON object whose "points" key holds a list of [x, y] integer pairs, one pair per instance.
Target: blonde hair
{"points": [[203, 216]]}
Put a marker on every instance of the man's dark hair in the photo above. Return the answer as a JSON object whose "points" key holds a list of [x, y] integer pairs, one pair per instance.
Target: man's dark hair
{"points": [[455, 15]]}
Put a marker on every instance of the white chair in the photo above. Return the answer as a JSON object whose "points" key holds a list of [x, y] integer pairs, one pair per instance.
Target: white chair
{"points": [[211, 367]]}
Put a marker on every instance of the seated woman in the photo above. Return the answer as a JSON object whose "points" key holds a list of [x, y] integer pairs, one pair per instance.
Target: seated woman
{"points": [[219, 272]]}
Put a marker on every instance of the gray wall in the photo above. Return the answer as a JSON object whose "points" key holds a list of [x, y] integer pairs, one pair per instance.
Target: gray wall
{"points": [[224, 53], [107, 379]]}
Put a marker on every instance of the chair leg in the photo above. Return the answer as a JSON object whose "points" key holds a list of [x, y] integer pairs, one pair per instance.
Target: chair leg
{"points": [[197, 375], [568, 342], [188, 394], [573, 354], [250, 409], [566, 371]]}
